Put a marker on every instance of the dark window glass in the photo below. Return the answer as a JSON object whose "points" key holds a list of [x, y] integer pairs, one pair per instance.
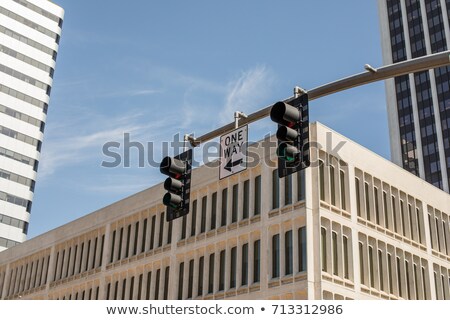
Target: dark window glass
{"points": [[257, 195], [276, 256], [256, 260]]}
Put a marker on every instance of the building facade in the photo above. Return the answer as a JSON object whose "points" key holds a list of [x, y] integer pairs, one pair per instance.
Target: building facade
{"points": [[419, 103], [352, 226], [29, 36]]}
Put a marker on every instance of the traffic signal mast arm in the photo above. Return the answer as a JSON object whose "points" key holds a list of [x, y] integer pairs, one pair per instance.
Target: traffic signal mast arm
{"points": [[371, 75]]}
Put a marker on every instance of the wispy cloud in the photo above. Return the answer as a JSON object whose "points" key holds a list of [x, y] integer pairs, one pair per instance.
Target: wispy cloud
{"points": [[247, 92]]}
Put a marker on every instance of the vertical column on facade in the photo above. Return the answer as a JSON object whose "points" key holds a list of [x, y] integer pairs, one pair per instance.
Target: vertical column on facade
{"points": [[11, 280], [38, 275], [184, 294], [227, 264], [266, 206], [73, 259], [205, 273], [56, 265], [195, 279], [49, 268], [65, 261], [313, 225], [216, 268], [86, 253], [153, 282], [251, 256], [240, 200], [239, 263], [281, 251], [32, 279], [209, 193], [295, 247], [128, 277], [6, 282], [29, 278], [26, 276], [23, 271]]}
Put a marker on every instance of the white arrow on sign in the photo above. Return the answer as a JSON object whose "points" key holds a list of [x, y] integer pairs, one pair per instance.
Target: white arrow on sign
{"points": [[233, 152]]}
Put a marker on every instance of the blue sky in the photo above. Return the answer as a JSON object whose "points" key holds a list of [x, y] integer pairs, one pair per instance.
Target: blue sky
{"points": [[155, 68]]}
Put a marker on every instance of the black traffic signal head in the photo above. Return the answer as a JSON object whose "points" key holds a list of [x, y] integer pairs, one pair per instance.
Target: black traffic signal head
{"points": [[292, 118], [178, 184]]}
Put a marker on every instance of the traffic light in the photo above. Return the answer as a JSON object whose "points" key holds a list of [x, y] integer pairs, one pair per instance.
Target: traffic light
{"points": [[178, 184], [292, 134]]}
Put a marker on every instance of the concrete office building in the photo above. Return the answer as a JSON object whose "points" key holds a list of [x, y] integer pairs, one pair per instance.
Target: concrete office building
{"points": [[29, 35], [354, 227], [418, 104]]}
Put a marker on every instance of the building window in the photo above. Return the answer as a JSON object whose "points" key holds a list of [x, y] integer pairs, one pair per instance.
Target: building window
{"points": [[213, 211], [323, 241], [169, 232], [180, 281], [203, 218], [244, 270], [136, 237], [275, 189], [377, 208], [201, 263], [183, 227], [235, 208], [408, 287], [399, 278], [166, 283], [385, 209], [256, 261], [152, 233], [257, 207], [394, 213], [222, 270], [223, 221], [246, 204], [343, 194], [361, 263], [335, 253], [302, 249], [211, 274], [113, 242], [419, 225], [191, 279], [158, 277], [288, 254], [194, 218], [332, 186], [371, 267], [288, 190], [358, 198], [276, 256], [380, 269], [233, 267], [389, 270], [345, 245], [161, 230], [300, 185], [366, 195], [402, 216], [322, 180]]}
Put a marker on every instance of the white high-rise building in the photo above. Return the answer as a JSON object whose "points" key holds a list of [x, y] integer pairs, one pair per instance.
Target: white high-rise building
{"points": [[419, 103], [29, 35]]}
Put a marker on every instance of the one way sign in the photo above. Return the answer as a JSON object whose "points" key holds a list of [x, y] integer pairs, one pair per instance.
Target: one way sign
{"points": [[233, 152]]}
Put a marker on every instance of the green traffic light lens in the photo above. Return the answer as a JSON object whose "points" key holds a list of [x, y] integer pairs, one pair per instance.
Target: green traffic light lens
{"points": [[286, 152]]}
